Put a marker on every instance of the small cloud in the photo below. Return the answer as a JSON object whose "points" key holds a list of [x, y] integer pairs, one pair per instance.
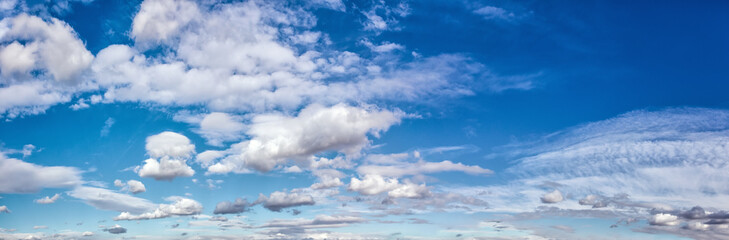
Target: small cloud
{"points": [[116, 229], [40, 227], [107, 127], [663, 219], [552, 197], [48, 200]]}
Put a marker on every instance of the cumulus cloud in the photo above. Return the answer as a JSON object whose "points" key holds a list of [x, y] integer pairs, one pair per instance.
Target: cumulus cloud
{"points": [[220, 127], [376, 184], [277, 201], [328, 178], [160, 20], [552, 197], [238, 206], [276, 138], [48, 200], [17, 176], [136, 186], [180, 207], [663, 219], [169, 153], [109, 200], [32, 45], [116, 229], [4, 209]]}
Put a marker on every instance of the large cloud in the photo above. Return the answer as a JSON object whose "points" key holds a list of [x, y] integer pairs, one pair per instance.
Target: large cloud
{"points": [[170, 152], [180, 207], [40, 64], [276, 138], [109, 200], [17, 176]]}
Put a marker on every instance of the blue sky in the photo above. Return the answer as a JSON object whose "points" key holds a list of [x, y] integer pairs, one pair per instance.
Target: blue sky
{"points": [[329, 119]]}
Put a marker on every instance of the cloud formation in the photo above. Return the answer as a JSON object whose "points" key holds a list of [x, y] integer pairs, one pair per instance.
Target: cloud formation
{"points": [[18, 176], [180, 207], [169, 153], [238, 206], [48, 200], [109, 200], [277, 201]]}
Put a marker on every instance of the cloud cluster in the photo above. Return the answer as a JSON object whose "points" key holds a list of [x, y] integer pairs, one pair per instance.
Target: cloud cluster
{"points": [[40, 63], [276, 138], [169, 153], [180, 207], [132, 186]]}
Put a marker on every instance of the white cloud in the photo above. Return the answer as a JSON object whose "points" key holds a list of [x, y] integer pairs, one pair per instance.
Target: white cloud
{"points": [[109, 200], [552, 197], [48, 200], [160, 20], [40, 63], [4, 209], [420, 167], [663, 219], [376, 184], [320, 221], [173, 150], [180, 207], [491, 12], [40, 227], [51, 46], [27, 150], [136, 186], [280, 200], [328, 178], [107, 127], [276, 138], [220, 127], [17, 176], [87, 234]]}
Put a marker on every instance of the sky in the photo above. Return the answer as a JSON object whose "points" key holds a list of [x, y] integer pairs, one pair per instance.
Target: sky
{"points": [[337, 119]]}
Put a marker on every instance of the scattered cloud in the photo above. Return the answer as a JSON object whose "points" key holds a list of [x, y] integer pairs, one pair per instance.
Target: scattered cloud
{"points": [[4, 209], [48, 200], [552, 197], [180, 207], [116, 229], [107, 127]]}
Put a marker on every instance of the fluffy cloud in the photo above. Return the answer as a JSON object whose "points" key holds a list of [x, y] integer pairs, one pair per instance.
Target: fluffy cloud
{"points": [[663, 219], [17, 176], [328, 178], [173, 150], [226, 207], [48, 200], [136, 186], [160, 20], [4, 209], [220, 127], [109, 200], [51, 46], [276, 138], [180, 207], [552, 197], [280, 200], [116, 229], [376, 184], [40, 64]]}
